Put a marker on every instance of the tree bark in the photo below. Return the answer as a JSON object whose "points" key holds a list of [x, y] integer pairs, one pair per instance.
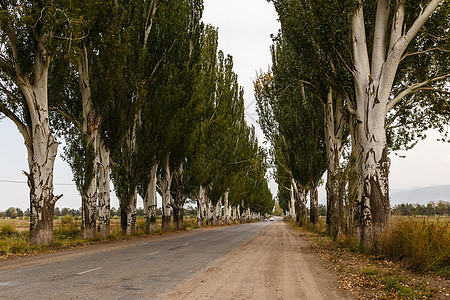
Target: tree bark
{"points": [[90, 129], [179, 199], [314, 205], [201, 207], [300, 196], [129, 213], [334, 130], [292, 212], [150, 201], [218, 213], [104, 189], [165, 184], [227, 211], [41, 147]]}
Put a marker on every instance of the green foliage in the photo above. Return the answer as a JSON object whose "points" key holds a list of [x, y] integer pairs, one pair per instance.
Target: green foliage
{"points": [[441, 208], [68, 229]]}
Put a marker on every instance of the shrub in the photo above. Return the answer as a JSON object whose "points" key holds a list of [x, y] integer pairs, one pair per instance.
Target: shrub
{"points": [[68, 228], [8, 229]]}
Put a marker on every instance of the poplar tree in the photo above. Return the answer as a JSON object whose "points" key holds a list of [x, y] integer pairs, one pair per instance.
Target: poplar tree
{"points": [[30, 34]]}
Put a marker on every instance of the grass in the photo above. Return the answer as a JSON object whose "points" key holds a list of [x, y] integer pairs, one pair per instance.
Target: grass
{"points": [[14, 234], [421, 245]]}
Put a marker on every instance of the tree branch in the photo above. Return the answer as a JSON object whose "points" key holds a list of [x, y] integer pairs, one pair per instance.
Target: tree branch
{"points": [[412, 89], [379, 42], [22, 127], [421, 19], [68, 117], [424, 51]]}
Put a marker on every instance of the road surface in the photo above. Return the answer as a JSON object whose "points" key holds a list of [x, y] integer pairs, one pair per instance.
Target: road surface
{"points": [[249, 261]]}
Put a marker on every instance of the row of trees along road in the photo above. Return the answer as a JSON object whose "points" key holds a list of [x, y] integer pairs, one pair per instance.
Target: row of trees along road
{"points": [[140, 93], [351, 82]]}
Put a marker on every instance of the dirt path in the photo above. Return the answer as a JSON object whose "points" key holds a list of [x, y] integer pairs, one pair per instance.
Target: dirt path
{"points": [[277, 264]]}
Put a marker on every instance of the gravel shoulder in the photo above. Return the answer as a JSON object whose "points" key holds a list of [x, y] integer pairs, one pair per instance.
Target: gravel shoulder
{"points": [[277, 264]]}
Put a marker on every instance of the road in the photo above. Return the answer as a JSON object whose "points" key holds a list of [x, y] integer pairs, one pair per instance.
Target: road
{"points": [[250, 261], [144, 270]]}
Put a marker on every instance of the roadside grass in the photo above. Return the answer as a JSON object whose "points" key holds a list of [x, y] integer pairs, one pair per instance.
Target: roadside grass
{"points": [[423, 244], [15, 238], [404, 265]]}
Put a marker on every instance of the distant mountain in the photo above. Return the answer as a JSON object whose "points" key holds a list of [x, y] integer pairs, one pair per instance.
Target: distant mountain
{"points": [[420, 195]]}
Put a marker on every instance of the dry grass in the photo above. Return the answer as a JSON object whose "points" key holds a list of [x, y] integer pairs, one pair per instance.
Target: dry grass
{"points": [[422, 243], [14, 234]]}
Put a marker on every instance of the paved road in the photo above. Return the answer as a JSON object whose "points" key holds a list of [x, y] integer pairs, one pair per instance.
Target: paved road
{"points": [[143, 270]]}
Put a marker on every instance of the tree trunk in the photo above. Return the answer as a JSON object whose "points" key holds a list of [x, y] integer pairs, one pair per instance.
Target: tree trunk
{"points": [[40, 180], [104, 192], [90, 129], [238, 213], [292, 213], [179, 199], [300, 195], [200, 207], [178, 214], [150, 201], [373, 82], [129, 213], [42, 149], [227, 211], [334, 130], [372, 160], [218, 213], [165, 184], [314, 205]]}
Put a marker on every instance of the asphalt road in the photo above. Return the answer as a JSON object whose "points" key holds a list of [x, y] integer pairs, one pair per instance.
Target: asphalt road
{"points": [[142, 269]]}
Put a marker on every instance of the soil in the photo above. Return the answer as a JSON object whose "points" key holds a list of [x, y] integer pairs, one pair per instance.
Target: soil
{"points": [[277, 264]]}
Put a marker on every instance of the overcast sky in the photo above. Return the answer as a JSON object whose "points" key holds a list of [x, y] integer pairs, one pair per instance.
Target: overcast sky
{"points": [[244, 32]]}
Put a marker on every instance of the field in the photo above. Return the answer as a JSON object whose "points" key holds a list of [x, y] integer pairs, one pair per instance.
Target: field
{"points": [[14, 234]]}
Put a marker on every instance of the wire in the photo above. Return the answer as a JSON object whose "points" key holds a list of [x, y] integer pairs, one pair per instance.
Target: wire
{"points": [[16, 181]]}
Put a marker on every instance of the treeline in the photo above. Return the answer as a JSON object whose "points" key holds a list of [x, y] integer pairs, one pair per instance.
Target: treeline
{"points": [[351, 82], [13, 213], [440, 208], [141, 95]]}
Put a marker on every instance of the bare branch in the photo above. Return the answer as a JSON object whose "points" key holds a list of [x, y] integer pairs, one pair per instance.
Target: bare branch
{"points": [[424, 51], [412, 89]]}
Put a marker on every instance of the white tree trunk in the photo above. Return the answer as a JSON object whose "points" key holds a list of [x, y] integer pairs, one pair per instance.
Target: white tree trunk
{"points": [[104, 189], [90, 129], [165, 184], [314, 205], [334, 130], [201, 207], [150, 201], [292, 212], [227, 210], [218, 213], [373, 84], [131, 213], [238, 213], [42, 149]]}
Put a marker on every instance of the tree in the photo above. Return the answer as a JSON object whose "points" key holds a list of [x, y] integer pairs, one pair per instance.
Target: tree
{"points": [[28, 38], [383, 81]]}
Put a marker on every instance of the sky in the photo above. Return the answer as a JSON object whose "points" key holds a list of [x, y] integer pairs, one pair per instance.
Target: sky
{"points": [[244, 27]]}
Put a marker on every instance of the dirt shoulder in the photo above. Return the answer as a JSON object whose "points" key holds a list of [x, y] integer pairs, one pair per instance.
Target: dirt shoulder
{"points": [[277, 264], [370, 277]]}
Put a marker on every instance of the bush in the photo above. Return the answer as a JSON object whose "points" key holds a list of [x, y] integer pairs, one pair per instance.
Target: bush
{"points": [[8, 229], [68, 229], [423, 244]]}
